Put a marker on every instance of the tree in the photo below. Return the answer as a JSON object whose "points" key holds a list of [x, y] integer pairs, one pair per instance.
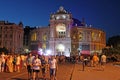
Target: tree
{"points": [[5, 50], [114, 41]]}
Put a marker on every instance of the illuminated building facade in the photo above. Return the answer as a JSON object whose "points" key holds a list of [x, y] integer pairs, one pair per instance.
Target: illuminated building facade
{"points": [[39, 38], [11, 36], [65, 37], [87, 40], [26, 38]]}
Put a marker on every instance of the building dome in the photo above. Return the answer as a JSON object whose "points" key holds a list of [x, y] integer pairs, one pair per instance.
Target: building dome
{"points": [[61, 10]]}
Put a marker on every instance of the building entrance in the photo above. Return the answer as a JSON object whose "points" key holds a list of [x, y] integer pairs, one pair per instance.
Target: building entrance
{"points": [[60, 48]]}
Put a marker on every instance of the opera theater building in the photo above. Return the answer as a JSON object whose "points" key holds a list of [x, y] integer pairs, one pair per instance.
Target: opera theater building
{"points": [[67, 36]]}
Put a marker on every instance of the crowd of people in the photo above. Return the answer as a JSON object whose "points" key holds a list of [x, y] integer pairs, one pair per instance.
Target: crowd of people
{"points": [[11, 62], [94, 60], [35, 64]]}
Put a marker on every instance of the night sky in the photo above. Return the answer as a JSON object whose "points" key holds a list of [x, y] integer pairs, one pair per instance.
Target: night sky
{"points": [[102, 14]]}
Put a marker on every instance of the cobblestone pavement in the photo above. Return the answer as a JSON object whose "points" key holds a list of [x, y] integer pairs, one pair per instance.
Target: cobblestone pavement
{"points": [[64, 73], [111, 72], [69, 71]]}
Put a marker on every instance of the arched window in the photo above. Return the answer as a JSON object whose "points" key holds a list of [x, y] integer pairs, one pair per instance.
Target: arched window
{"points": [[34, 37], [61, 30]]}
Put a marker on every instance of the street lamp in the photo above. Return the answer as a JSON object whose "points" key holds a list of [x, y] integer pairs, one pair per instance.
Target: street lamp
{"points": [[48, 52], [40, 51]]}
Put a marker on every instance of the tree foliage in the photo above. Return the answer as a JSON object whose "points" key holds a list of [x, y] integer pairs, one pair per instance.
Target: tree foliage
{"points": [[5, 50], [114, 41], [113, 48]]}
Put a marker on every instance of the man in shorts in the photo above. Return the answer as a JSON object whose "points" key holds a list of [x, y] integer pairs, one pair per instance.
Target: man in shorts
{"points": [[103, 61], [36, 67], [53, 68], [29, 60], [44, 67]]}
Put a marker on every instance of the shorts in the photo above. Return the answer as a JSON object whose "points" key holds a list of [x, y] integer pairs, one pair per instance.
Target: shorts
{"points": [[53, 71], [37, 71]]}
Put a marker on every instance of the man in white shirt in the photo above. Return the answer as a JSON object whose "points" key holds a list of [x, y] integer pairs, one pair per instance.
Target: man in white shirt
{"points": [[103, 61], [36, 67], [53, 67]]}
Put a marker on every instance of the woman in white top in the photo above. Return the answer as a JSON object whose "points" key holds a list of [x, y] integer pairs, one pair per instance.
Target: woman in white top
{"points": [[36, 67]]}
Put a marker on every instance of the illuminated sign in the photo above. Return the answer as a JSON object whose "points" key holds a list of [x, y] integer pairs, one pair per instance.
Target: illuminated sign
{"points": [[85, 52]]}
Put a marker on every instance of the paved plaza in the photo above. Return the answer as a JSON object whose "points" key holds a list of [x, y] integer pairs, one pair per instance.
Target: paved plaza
{"points": [[111, 72], [69, 71]]}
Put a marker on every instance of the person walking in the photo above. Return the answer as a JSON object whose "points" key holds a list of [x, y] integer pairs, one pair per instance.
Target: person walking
{"points": [[14, 63], [18, 60], [0, 63], [36, 67], [95, 60], [44, 67], [10, 63], [3, 62], [53, 68], [29, 61], [103, 61]]}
